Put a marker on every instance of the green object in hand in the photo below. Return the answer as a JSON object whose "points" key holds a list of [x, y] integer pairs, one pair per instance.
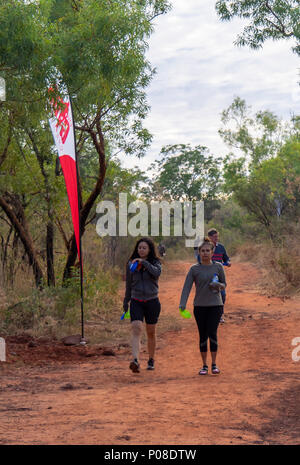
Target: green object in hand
{"points": [[185, 313], [125, 315]]}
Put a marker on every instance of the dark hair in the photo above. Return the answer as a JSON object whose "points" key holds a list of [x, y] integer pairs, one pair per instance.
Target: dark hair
{"points": [[152, 256], [206, 240], [211, 232]]}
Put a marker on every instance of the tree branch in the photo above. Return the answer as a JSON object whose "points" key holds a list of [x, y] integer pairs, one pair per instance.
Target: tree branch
{"points": [[281, 28], [23, 233], [5, 150]]}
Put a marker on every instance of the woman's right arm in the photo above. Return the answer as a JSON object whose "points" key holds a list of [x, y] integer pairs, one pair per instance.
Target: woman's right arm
{"points": [[128, 289], [186, 289]]}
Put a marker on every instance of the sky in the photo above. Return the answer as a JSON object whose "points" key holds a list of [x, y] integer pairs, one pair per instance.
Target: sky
{"points": [[199, 71]]}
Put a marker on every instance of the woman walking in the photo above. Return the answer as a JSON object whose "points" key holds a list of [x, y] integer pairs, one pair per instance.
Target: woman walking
{"points": [[209, 279], [142, 273]]}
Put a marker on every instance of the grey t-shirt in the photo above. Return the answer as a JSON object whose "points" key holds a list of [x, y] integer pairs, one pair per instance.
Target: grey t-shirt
{"points": [[202, 275]]}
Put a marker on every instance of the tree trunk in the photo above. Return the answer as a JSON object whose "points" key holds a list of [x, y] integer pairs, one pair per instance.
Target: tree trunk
{"points": [[5, 246], [50, 224], [26, 240], [13, 259], [50, 258]]}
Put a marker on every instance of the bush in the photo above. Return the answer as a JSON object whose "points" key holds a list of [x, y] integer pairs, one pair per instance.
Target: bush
{"points": [[279, 263], [56, 311]]}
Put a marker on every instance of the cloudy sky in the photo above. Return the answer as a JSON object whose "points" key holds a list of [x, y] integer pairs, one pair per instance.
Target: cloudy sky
{"points": [[200, 71]]}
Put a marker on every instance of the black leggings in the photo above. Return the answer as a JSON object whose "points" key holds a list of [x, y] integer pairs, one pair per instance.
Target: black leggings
{"points": [[208, 319]]}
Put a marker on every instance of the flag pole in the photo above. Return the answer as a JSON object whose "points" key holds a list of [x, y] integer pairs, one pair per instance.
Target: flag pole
{"points": [[79, 219]]}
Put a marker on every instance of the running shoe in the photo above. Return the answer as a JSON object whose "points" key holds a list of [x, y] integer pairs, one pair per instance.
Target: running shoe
{"points": [[222, 320], [204, 370], [214, 369], [150, 364], [134, 366]]}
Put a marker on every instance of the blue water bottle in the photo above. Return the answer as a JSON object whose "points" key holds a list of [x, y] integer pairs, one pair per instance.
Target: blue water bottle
{"points": [[133, 266], [215, 278], [213, 283]]}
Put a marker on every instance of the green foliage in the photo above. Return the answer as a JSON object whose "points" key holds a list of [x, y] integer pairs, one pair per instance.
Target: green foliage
{"points": [[257, 136], [186, 173], [96, 51], [120, 180], [56, 311], [263, 172], [272, 19], [233, 223], [280, 269]]}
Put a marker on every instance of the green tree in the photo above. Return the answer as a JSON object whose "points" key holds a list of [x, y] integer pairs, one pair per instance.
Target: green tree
{"points": [[271, 192], [255, 137], [268, 19], [96, 50], [265, 179], [187, 173]]}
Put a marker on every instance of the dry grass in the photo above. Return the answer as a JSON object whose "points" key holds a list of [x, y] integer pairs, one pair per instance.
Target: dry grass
{"points": [[279, 265], [56, 313]]}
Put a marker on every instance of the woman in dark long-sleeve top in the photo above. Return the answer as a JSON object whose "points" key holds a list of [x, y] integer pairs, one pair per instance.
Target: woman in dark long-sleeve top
{"points": [[142, 293]]}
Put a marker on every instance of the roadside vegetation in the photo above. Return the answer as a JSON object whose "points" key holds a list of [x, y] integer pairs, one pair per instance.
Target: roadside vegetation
{"points": [[252, 195]]}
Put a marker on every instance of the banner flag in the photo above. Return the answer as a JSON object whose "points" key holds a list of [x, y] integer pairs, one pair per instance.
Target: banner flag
{"points": [[63, 133], [62, 127]]}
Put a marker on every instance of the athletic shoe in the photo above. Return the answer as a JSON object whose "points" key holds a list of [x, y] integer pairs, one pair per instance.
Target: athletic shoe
{"points": [[204, 370], [134, 366], [222, 320], [214, 369], [150, 364]]}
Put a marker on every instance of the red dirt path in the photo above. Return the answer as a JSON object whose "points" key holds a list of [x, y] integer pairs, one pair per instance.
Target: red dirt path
{"points": [[53, 394]]}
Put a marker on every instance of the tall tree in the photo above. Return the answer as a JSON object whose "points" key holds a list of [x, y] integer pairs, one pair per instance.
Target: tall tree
{"points": [[186, 173], [270, 192], [97, 51], [257, 136], [263, 171], [267, 19]]}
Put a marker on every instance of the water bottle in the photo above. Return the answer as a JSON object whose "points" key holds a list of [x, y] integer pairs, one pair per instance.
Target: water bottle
{"points": [[133, 266], [214, 281], [184, 313], [125, 315], [215, 278]]}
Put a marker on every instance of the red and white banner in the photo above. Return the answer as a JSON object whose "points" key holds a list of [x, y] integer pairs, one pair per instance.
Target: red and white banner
{"points": [[63, 133]]}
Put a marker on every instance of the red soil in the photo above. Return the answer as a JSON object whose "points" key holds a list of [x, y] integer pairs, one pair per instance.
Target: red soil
{"points": [[53, 394]]}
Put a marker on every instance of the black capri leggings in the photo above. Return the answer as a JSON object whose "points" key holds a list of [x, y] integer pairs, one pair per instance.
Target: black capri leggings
{"points": [[208, 319]]}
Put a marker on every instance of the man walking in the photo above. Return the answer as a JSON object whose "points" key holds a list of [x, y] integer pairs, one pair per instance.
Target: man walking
{"points": [[220, 255]]}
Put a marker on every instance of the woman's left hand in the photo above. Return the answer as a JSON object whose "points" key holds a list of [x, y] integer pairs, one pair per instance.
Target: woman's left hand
{"points": [[139, 260]]}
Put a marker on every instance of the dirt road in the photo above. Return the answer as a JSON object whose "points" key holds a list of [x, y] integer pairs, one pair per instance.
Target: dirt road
{"points": [[77, 395]]}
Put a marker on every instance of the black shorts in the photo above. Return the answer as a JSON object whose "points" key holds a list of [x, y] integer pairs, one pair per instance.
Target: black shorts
{"points": [[149, 310]]}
